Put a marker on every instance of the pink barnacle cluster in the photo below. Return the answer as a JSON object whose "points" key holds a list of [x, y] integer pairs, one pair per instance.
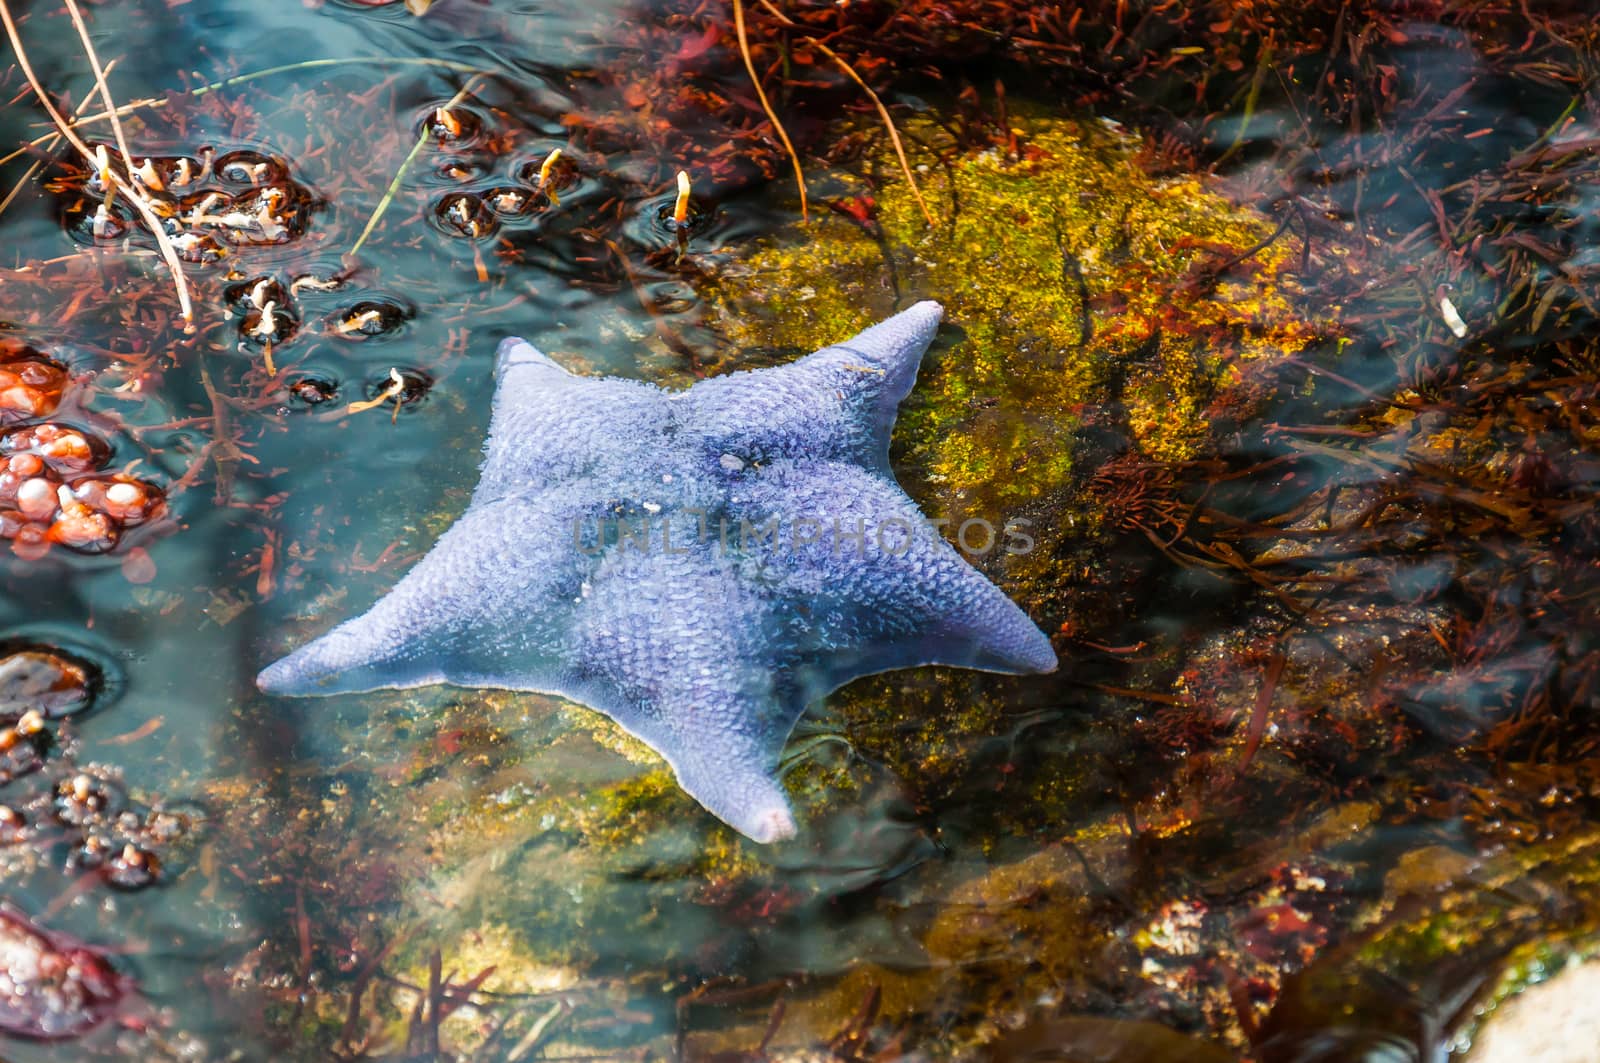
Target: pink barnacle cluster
{"points": [[51, 987], [29, 387], [51, 493]]}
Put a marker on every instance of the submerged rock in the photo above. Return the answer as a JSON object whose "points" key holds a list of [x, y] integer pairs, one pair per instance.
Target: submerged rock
{"points": [[1554, 1021], [1072, 279], [44, 679]]}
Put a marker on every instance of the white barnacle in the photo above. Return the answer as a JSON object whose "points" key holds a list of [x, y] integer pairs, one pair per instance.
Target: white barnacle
{"points": [[104, 225], [258, 294], [266, 326], [148, 176], [1452, 317]]}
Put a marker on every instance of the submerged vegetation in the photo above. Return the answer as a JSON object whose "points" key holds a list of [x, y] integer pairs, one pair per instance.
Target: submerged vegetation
{"points": [[1276, 321]]}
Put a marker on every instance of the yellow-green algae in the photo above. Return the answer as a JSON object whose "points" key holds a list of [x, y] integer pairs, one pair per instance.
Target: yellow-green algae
{"points": [[991, 420]]}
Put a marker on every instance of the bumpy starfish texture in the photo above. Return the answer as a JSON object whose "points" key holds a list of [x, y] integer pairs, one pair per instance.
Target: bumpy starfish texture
{"points": [[698, 565]]}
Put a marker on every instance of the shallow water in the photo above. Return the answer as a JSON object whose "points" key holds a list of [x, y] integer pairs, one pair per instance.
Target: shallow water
{"points": [[1183, 829]]}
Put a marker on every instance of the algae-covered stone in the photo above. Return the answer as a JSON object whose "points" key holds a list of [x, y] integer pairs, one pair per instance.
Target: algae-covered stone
{"points": [[1072, 277]]}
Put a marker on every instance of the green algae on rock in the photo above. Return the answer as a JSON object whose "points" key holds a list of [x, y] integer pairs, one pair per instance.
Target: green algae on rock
{"points": [[1075, 278]]}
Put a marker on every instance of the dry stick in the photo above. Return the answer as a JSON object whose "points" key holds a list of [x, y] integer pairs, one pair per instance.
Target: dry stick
{"points": [[772, 116], [55, 139], [883, 112], [405, 166], [167, 251], [155, 103], [100, 82], [20, 185]]}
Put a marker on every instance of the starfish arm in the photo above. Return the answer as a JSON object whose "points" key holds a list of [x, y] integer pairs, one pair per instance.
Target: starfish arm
{"points": [[679, 653], [549, 425], [838, 402], [876, 587], [485, 607], [724, 761]]}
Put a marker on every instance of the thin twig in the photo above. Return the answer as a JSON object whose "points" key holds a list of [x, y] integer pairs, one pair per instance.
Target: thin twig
{"points": [[772, 116], [21, 184], [883, 112], [100, 83], [167, 250], [155, 103], [850, 71], [54, 138], [405, 167]]}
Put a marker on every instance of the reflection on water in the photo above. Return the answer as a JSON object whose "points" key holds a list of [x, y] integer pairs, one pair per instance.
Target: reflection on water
{"points": [[1314, 477]]}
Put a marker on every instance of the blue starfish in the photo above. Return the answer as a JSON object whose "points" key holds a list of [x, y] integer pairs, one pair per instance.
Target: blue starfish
{"points": [[698, 565]]}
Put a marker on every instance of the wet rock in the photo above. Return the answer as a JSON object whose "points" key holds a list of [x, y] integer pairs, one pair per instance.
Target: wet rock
{"points": [[52, 804], [453, 126], [22, 748], [508, 202], [250, 169], [133, 868], [13, 826], [310, 390], [63, 448], [464, 214], [39, 678], [51, 987], [1553, 1021], [1096, 1040], [414, 385], [368, 319]]}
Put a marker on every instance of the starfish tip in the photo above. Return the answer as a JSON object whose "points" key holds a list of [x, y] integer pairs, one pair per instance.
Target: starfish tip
{"points": [[915, 326], [276, 678], [772, 825], [298, 675], [514, 351]]}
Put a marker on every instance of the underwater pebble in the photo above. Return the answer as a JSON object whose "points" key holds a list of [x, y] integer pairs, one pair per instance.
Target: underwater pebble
{"points": [[313, 390], [38, 679], [367, 319], [453, 125], [464, 214]]}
